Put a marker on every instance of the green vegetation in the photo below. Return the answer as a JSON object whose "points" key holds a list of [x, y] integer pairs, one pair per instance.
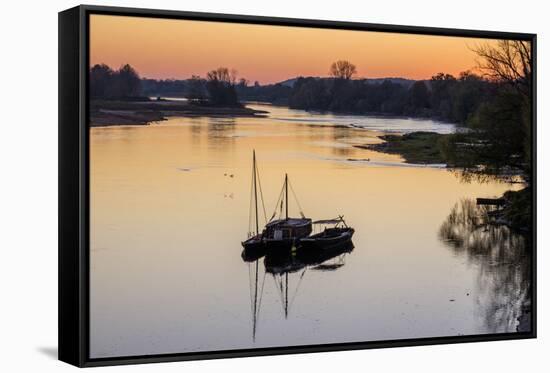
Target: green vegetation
{"points": [[432, 148], [415, 147], [496, 143], [517, 211], [495, 110]]}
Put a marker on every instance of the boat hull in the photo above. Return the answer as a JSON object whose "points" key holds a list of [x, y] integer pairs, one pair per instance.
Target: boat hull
{"points": [[319, 241], [251, 254], [254, 248], [320, 255]]}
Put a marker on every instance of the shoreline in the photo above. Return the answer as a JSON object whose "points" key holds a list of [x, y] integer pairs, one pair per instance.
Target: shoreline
{"points": [[414, 147], [105, 113], [422, 148]]}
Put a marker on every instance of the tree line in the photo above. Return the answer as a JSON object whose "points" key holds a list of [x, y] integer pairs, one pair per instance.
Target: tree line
{"points": [[498, 140], [494, 106], [114, 84], [443, 97], [219, 88]]}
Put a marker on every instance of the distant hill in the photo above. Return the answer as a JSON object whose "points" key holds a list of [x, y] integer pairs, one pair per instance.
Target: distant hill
{"points": [[288, 82]]}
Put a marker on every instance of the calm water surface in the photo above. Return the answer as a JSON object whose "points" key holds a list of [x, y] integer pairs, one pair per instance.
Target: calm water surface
{"points": [[170, 205]]}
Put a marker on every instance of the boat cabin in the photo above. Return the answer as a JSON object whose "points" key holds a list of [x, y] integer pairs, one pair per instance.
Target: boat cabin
{"points": [[285, 229]]}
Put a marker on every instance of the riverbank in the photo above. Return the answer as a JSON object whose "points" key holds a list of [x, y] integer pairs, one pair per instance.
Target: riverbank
{"points": [[425, 148], [516, 212], [114, 112], [414, 147]]}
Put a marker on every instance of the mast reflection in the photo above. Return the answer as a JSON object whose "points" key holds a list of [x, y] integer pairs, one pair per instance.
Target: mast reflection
{"points": [[288, 269]]}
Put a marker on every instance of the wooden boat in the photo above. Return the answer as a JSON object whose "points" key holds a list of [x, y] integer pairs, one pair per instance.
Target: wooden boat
{"points": [[253, 251], [254, 243], [337, 233], [283, 233]]}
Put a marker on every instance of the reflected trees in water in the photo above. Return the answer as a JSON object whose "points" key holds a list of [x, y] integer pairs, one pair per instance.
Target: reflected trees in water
{"points": [[503, 258]]}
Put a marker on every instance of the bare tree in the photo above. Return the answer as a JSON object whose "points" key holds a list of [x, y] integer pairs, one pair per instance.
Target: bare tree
{"points": [[220, 84], [509, 61], [222, 75], [342, 69]]}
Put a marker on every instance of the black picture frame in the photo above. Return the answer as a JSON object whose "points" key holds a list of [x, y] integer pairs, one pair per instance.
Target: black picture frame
{"points": [[74, 189]]}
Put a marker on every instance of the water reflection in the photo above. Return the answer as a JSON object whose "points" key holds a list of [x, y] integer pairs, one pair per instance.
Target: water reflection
{"points": [[337, 135], [217, 133], [503, 258], [157, 191], [288, 269]]}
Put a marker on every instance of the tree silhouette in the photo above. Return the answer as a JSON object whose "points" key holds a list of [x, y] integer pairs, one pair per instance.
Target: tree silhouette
{"points": [[342, 69], [196, 88], [128, 82], [509, 61], [220, 84], [222, 75], [420, 96], [122, 83], [101, 77]]}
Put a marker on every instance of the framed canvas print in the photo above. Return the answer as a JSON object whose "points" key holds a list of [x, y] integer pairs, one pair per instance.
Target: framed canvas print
{"points": [[238, 186]]}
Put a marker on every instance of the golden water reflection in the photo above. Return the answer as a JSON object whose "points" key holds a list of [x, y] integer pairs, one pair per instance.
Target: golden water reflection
{"points": [[169, 208], [502, 259]]}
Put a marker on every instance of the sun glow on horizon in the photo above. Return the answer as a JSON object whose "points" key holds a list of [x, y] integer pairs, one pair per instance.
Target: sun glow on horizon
{"points": [[177, 49]]}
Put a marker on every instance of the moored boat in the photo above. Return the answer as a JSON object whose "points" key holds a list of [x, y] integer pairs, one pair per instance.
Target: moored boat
{"points": [[285, 232], [337, 233], [254, 248]]}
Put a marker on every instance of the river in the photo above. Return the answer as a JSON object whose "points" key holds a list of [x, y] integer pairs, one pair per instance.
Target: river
{"points": [[170, 206]]}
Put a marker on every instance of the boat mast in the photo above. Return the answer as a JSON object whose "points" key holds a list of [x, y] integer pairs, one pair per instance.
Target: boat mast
{"points": [[254, 316], [254, 171], [286, 295], [286, 196]]}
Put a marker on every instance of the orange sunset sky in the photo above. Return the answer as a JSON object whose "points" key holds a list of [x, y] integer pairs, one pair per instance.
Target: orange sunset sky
{"points": [[163, 48]]}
